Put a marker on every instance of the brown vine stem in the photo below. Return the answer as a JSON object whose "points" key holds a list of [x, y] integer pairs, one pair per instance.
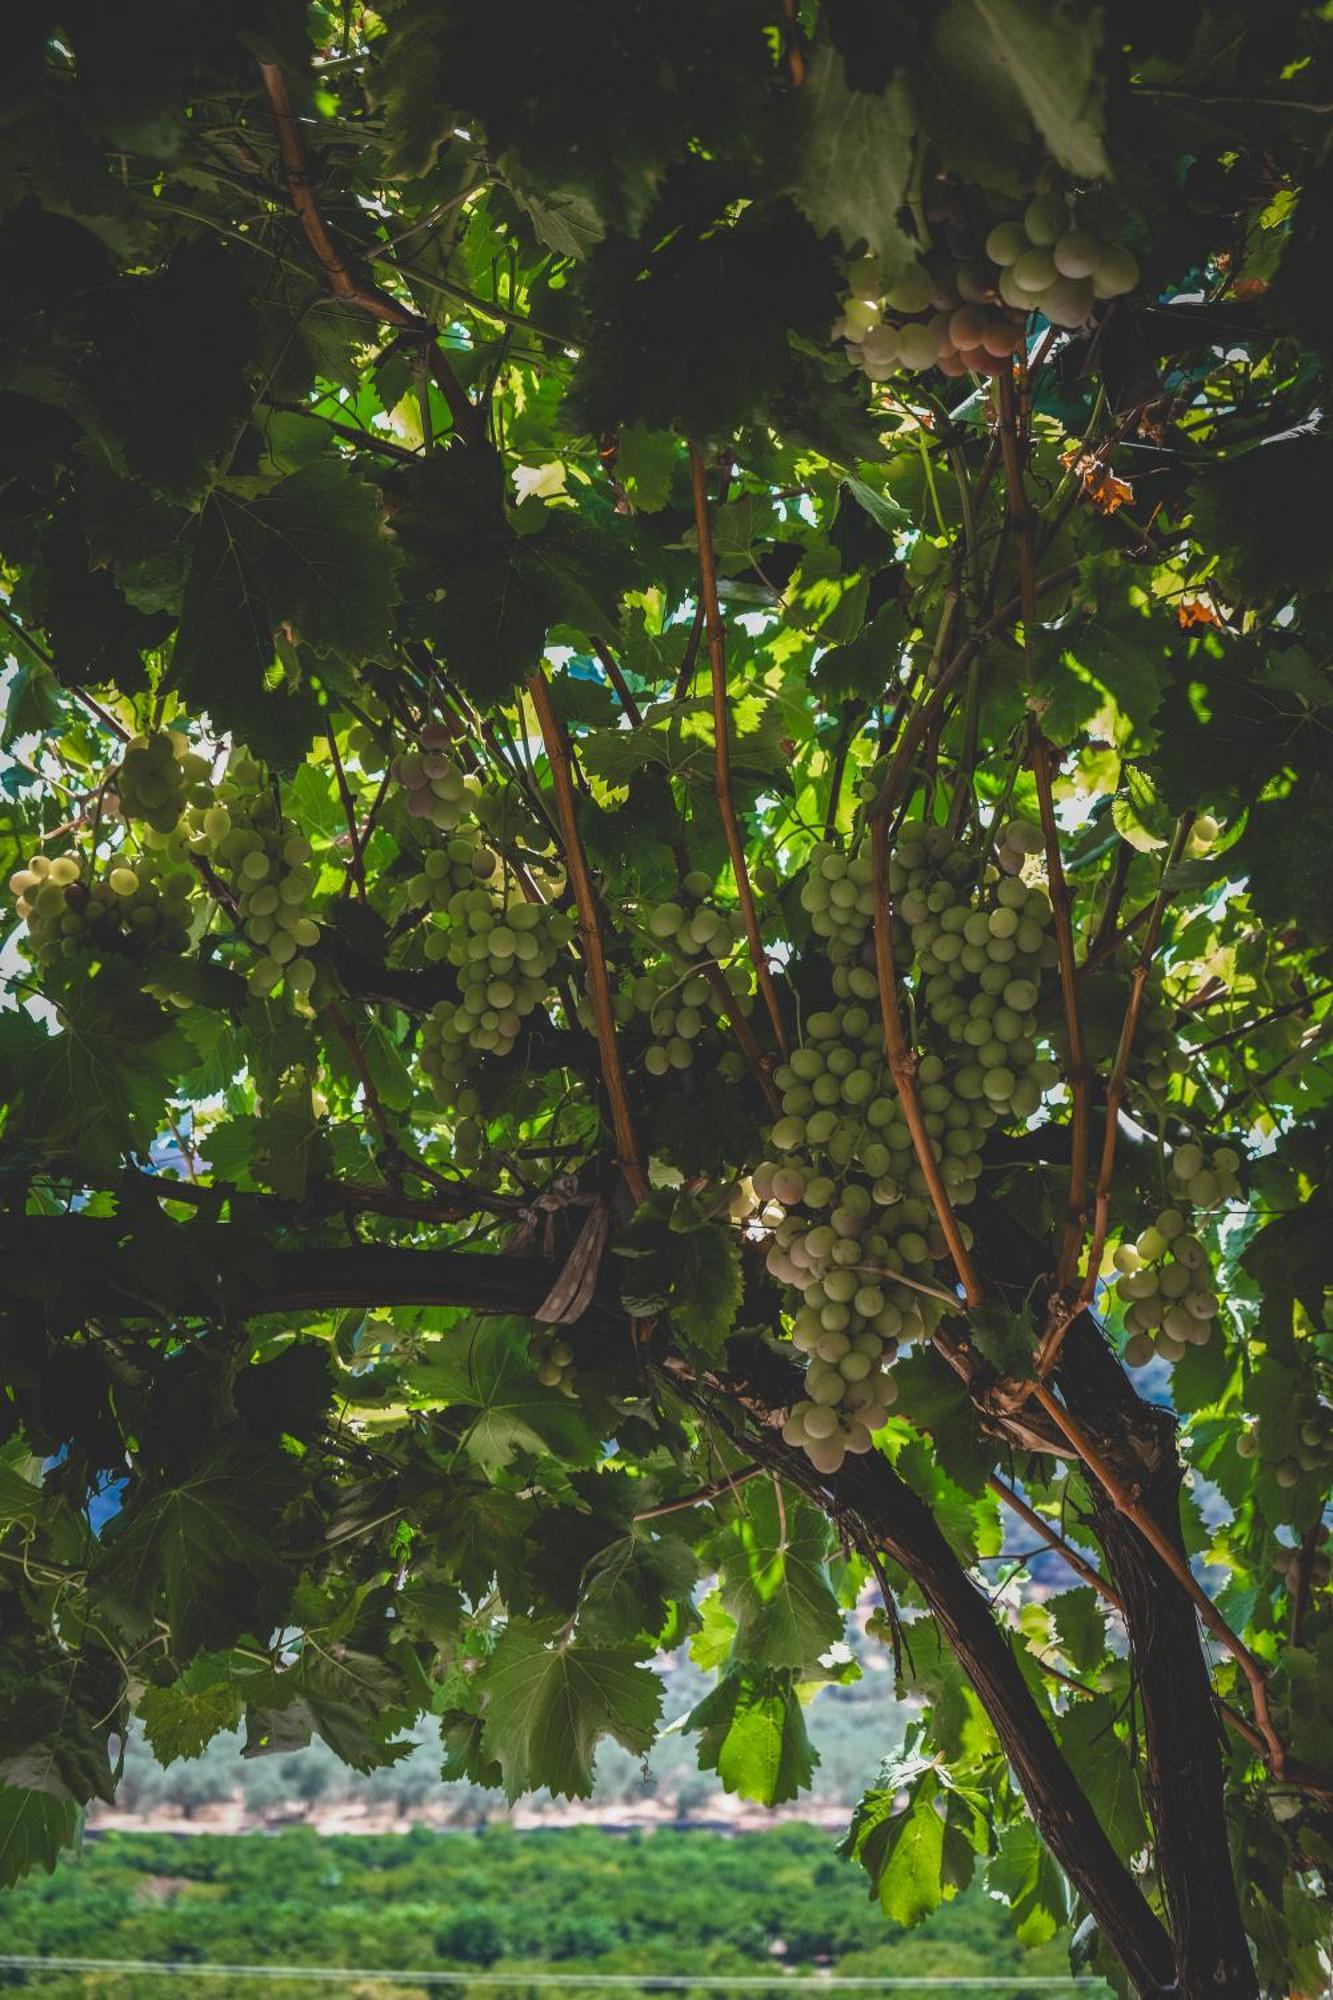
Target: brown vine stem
{"points": [[744, 1034], [355, 861], [629, 1158], [1088, 1451], [1054, 1540], [1300, 1602], [1066, 1310], [611, 668], [469, 421], [902, 1066], [722, 743], [1020, 513], [1077, 1071], [924, 717], [703, 1496]]}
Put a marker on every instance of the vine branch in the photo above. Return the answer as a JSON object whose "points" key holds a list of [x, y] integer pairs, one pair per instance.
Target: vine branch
{"points": [[722, 743], [629, 1158]]}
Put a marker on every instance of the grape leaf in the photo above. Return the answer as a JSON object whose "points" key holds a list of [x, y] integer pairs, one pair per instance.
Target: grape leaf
{"points": [[752, 1732], [181, 1720], [852, 157], [485, 1366], [548, 1705], [774, 1583], [34, 1827], [1048, 54], [201, 1551]]}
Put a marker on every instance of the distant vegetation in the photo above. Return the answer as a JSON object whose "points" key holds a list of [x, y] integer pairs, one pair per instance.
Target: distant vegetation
{"points": [[665, 1902], [852, 1729]]}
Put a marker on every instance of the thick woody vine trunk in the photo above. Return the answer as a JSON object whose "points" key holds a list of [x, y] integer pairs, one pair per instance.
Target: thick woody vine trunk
{"points": [[898, 1523], [1181, 1730], [907, 1530]]}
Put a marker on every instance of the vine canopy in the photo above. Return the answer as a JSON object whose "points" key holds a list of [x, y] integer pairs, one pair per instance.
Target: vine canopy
{"points": [[666, 792]]}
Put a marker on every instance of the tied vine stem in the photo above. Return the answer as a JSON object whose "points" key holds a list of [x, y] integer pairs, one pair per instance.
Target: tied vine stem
{"points": [[722, 744], [902, 1066], [630, 1159], [1079, 1080]]}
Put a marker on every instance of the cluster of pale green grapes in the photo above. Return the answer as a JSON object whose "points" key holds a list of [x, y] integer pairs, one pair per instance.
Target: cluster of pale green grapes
{"points": [[1156, 1055], [447, 873], [1015, 844], [1164, 1283], [972, 953], [1286, 1561], [555, 1362], [433, 786], [158, 776], [1314, 1443], [838, 896], [268, 865], [504, 954], [672, 995], [963, 308], [70, 907], [1208, 1179]]}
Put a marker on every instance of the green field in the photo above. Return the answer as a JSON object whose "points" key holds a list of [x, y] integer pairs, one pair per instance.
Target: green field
{"points": [[566, 1900]]}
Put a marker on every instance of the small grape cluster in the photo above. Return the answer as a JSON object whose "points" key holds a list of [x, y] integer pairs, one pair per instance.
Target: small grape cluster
{"points": [[69, 908], [433, 786], [837, 895], [555, 1362], [504, 954], [964, 309], [448, 873], [1208, 1179], [156, 778], [1015, 844], [1163, 1282], [269, 865], [674, 997], [1287, 1562], [1314, 1443]]}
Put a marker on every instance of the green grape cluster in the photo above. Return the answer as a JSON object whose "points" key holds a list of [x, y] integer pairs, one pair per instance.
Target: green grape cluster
{"points": [[269, 868], [838, 896], [71, 907], [1207, 1179], [1016, 843], [1314, 1443], [1164, 1283], [555, 1362], [1156, 1056], [971, 945], [434, 789], [504, 953], [156, 778], [963, 307], [669, 991], [458, 869], [1286, 1561]]}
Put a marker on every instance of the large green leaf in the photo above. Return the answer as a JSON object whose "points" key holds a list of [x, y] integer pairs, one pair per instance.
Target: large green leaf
{"points": [[548, 1703], [774, 1582], [484, 1366], [752, 1732]]}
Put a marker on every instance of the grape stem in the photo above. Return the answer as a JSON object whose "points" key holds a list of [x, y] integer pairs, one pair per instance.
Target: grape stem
{"points": [[1054, 1540], [612, 671], [1127, 1504], [902, 1066], [1300, 1601], [1064, 1309], [722, 743], [469, 421], [1077, 1068], [356, 865], [629, 1158], [1299, 1775]]}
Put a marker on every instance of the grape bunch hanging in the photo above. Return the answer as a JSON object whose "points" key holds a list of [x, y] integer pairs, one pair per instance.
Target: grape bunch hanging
{"points": [[964, 305]]}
